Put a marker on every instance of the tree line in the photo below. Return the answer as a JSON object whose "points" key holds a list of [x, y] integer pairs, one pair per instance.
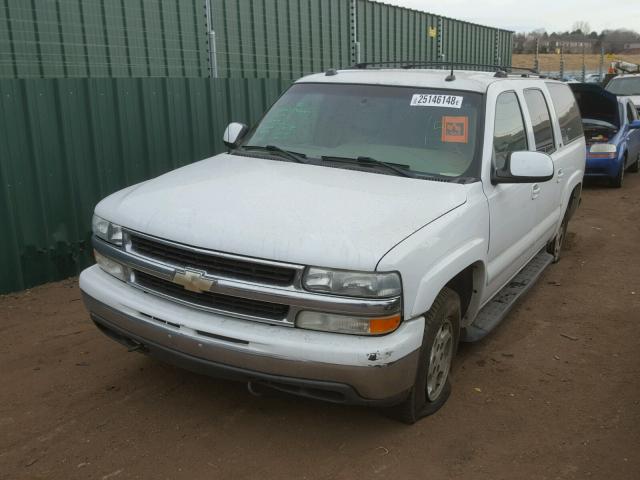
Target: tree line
{"points": [[580, 37]]}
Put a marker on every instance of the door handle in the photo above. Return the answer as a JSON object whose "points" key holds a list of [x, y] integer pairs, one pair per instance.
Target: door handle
{"points": [[560, 175], [535, 191]]}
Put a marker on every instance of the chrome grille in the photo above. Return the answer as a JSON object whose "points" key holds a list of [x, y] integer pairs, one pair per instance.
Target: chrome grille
{"points": [[211, 263], [216, 301]]}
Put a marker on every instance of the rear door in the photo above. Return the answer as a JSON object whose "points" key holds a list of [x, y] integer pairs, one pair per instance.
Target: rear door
{"points": [[571, 155], [547, 195]]}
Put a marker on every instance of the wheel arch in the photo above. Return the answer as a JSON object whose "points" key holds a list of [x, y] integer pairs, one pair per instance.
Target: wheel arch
{"points": [[574, 199], [468, 284]]}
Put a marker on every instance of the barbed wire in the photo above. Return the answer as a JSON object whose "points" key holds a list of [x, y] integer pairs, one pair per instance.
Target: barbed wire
{"points": [[276, 73]]}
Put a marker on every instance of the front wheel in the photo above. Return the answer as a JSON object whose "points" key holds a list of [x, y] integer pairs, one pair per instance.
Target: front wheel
{"points": [[617, 181], [439, 345]]}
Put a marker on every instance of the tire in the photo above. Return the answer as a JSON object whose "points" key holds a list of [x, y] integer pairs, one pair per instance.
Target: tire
{"points": [[636, 165], [617, 182], [554, 247], [432, 385]]}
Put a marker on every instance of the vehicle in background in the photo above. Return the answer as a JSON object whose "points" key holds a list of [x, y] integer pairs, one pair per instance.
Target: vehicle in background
{"points": [[343, 246], [626, 85], [612, 132], [593, 78]]}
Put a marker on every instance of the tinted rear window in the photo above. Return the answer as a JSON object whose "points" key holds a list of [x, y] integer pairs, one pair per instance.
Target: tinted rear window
{"points": [[567, 111], [540, 120]]}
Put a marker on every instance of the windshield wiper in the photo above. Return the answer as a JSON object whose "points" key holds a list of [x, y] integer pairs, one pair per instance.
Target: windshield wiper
{"points": [[395, 167], [295, 156]]}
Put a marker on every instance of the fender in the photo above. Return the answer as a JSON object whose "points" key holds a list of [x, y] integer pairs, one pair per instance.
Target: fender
{"points": [[624, 151], [572, 182], [430, 258]]}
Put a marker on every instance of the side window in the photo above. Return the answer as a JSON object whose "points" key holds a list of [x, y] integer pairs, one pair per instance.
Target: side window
{"points": [[631, 114], [509, 134], [567, 110], [540, 120]]}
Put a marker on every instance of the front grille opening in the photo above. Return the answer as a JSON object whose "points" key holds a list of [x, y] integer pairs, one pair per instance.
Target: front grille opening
{"points": [[199, 332], [222, 337], [226, 303], [159, 320], [320, 394], [213, 264]]}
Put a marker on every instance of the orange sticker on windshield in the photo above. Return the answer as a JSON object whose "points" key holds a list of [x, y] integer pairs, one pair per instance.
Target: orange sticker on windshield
{"points": [[455, 129]]}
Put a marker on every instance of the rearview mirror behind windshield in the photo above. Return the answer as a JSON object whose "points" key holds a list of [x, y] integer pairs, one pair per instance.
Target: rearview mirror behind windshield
{"points": [[525, 167]]}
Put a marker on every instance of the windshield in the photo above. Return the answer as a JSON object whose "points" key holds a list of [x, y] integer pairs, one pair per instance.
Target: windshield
{"points": [[429, 131], [624, 86]]}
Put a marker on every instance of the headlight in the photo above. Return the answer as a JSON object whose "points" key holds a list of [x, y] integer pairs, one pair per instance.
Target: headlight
{"points": [[111, 266], [329, 322], [107, 231], [352, 284]]}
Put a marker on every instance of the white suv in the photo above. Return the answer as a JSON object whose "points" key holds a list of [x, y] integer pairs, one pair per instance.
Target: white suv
{"points": [[343, 246], [628, 86]]}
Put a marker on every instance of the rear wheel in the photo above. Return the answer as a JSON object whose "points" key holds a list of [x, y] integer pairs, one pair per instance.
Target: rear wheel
{"points": [[554, 247], [439, 345]]}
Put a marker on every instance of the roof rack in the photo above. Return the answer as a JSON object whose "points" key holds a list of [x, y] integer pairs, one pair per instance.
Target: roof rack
{"points": [[501, 70]]}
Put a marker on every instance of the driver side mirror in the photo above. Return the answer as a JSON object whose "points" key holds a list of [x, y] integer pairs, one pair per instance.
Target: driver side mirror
{"points": [[525, 167], [234, 133], [635, 124]]}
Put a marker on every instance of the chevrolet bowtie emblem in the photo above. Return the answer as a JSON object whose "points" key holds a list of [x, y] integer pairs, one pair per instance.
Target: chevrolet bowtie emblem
{"points": [[193, 281]]}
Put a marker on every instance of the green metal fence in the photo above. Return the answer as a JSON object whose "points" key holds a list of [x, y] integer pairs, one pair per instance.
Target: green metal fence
{"points": [[67, 143], [386, 33], [291, 38], [227, 38], [275, 38], [102, 38]]}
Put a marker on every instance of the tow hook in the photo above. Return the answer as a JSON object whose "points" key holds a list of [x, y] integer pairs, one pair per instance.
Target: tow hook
{"points": [[254, 389], [137, 347]]}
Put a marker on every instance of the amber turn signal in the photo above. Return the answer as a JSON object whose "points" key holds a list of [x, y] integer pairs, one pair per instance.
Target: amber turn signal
{"points": [[378, 326]]}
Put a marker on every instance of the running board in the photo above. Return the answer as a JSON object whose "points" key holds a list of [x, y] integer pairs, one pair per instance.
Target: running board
{"points": [[497, 309]]}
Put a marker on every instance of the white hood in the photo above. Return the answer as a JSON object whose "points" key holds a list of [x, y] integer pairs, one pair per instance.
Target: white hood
{"points": [[283, 211]]}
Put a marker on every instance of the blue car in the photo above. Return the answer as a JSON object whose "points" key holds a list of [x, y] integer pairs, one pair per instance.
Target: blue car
{"points": [[612, 131]]}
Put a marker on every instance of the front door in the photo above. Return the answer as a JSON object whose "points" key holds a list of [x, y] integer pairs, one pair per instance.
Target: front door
{"points": [[511, 206]]}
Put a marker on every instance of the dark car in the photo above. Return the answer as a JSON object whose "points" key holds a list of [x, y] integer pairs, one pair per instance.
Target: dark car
{"points": [[612, 132]]}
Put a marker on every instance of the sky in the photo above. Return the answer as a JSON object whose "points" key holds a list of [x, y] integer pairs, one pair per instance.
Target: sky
{"points": [[527, 15]]}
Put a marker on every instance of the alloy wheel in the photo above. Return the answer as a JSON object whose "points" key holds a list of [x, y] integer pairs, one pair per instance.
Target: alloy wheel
{"points": [[440, 360]]}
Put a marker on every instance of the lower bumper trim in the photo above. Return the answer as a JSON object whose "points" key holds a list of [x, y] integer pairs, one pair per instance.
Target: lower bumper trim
{"points": [[334, 392], [333, 367]]}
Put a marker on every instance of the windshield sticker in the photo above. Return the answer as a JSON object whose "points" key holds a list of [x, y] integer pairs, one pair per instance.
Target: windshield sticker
{"points": [[455, 129], [447, 101]]}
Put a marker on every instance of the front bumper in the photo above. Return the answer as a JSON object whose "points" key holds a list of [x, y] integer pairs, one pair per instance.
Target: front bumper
{"points": [[335, 367], [602, 167]]}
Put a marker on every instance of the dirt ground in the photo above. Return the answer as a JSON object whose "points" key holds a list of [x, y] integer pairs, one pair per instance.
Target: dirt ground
{"points": [[550, 62], [554, 393]]}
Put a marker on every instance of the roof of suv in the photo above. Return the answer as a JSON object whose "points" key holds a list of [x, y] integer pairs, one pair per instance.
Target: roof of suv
{"points": [[427, 78], [626, 75]]}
